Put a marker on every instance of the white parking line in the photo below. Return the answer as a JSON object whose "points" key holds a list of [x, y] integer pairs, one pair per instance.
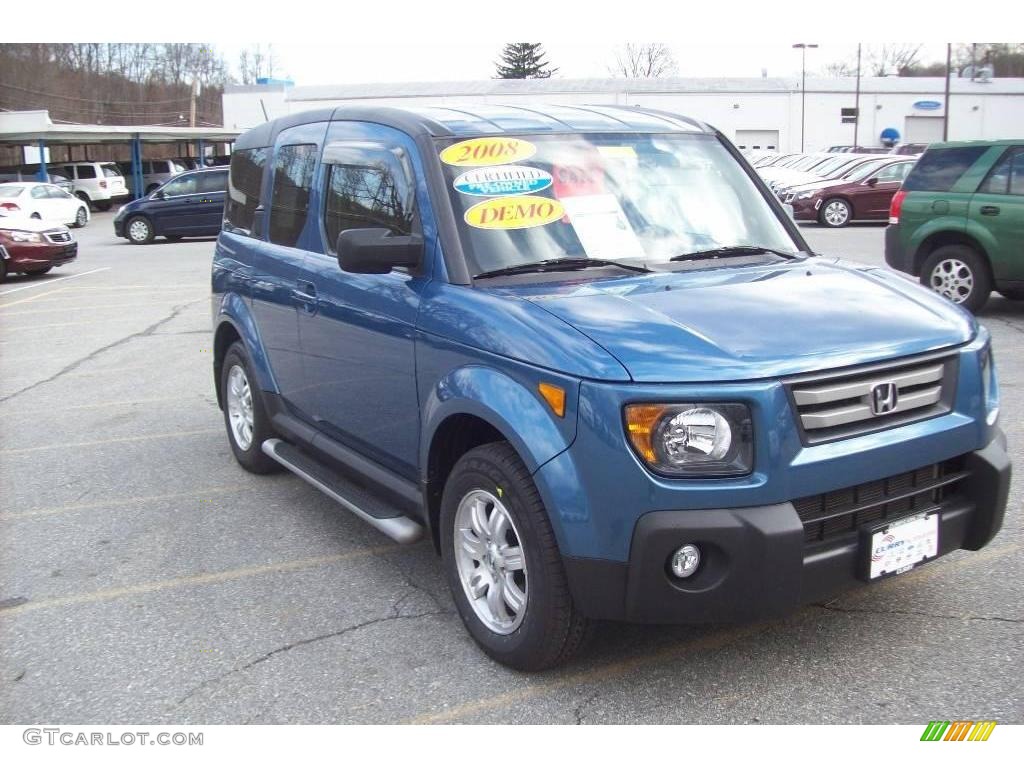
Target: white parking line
{"points": [[56, 280]]}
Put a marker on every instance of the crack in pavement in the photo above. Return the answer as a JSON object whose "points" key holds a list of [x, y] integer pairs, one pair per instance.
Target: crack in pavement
{"points": [[925, 614], [391, 616], [578, 713], [150, 331]]}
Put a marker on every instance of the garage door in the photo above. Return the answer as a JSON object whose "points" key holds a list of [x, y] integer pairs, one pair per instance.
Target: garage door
{"points": [[757, 139], [922, 130]]}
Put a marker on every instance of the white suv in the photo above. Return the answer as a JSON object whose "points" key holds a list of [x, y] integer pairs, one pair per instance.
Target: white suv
{"points": [[99, 184], [154, 173]]}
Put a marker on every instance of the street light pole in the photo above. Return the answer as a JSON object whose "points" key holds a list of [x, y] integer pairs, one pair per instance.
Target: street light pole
{"points": [[803, 85]]}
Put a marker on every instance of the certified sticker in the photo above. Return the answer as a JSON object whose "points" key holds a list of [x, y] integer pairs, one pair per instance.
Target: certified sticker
{"points": [[519, 212], [502, 180], [492, 150]]}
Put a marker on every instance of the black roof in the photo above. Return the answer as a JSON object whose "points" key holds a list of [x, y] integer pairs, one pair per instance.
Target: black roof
{"points": [[486, 119]]}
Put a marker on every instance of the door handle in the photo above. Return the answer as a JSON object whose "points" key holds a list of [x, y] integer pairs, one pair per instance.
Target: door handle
{"points": [[990, 210], [305, 293]]}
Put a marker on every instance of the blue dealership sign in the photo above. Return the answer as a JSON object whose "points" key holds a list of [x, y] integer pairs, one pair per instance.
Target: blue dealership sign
{"points": [[928, 105]]}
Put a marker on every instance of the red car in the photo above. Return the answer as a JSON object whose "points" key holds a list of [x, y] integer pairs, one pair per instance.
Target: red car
{"points": [[866, 199], [34, 247]]}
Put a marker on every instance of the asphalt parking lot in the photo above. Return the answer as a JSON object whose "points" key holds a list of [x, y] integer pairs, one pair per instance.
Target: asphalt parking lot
{"points": [[146, 578]]}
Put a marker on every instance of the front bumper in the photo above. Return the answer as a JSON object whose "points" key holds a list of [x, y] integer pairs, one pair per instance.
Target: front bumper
{"points": [[807, 209], [756, 561], [119, 227]]}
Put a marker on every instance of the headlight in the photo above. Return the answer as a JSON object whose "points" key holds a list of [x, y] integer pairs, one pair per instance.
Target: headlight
{"points": [[805, 195], [989, 385], [20, 236], [692, 439]]}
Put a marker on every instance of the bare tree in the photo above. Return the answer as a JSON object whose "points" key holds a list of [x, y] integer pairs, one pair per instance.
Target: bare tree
{"points": [[644, 60], [256, 62], [841, 69], [891, 58]]}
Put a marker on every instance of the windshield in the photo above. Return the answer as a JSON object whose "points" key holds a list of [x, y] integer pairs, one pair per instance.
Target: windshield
{"points": [[7, 191], [830, 166], [636, 198], [865, 170]]}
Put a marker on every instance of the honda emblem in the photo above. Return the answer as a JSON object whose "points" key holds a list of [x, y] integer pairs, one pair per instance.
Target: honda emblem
{"points": [[884, 398]]}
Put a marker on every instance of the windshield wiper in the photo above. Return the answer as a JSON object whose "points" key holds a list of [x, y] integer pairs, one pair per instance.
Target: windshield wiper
{"points": [[732, 250], [558, 265]]}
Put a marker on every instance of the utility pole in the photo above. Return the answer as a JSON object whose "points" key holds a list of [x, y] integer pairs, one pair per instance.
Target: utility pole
{"points": [[803, 86], [856, 103], [945, 106], [192, 103]]}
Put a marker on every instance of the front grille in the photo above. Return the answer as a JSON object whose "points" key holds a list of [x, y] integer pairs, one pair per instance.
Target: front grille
{"points": [[57, 236], [839, 405], [837, 513]]}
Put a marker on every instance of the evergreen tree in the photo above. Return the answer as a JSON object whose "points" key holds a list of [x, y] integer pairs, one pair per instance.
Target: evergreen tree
{"points": [[523, 60]]}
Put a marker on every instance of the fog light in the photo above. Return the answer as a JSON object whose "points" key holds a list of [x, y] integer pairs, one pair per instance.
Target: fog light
{"points": [[685, 561]]}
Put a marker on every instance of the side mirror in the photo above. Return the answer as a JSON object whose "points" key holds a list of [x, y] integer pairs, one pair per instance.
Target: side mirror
{"points": [[872, 181], [377, 251], [159, 195]]}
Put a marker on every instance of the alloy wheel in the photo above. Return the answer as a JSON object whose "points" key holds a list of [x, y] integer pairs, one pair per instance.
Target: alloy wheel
{"points": [[953, 279], [239, 404], [836, 213], [491, 562]]}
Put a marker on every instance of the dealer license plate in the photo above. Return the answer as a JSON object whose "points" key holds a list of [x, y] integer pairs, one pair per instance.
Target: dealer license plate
{"points": [[898, 546]]}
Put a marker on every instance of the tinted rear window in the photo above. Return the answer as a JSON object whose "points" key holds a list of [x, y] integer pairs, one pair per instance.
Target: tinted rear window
{"points": [[86, 172], [939, 169], [244, 187]]}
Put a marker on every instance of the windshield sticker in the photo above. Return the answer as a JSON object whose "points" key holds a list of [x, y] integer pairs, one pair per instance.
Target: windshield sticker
{"points": [[519, 212], [502, 180], [617, 153], [487, 151], [602, 227], [586, 178]]}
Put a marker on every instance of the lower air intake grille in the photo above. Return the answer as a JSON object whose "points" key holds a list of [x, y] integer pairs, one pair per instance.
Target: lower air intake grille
{"points": [[837, 513]]}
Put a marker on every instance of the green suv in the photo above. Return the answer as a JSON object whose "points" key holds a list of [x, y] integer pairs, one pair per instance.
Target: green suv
{"points": [[958, 221]]}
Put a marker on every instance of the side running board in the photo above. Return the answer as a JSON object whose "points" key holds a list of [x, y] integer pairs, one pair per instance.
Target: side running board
{"points": [[389, 521]]}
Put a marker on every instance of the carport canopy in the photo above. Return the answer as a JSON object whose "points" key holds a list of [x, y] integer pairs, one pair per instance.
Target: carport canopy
{"points": [[36, 128]]}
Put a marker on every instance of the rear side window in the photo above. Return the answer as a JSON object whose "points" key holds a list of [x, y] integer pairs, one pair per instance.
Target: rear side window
{"points": [[289, 201], [86, 171], [368, 186], [111, 171], [209, 183], [1007, 177], [939, 169], [244, 182]]}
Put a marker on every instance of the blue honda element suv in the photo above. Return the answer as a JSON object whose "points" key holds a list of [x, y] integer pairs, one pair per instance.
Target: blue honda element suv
{"points": [[587, 354]]}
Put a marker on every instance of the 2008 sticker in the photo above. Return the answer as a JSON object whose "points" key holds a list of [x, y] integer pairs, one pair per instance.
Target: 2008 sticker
{"points": [[518, 212], [491, 150], [502, 180]]}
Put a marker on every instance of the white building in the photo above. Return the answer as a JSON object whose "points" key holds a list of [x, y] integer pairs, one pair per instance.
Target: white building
{"points": [[755, 112]]}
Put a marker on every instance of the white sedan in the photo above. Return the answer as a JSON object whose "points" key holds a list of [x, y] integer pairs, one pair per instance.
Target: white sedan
{"points": [[36, 200]]}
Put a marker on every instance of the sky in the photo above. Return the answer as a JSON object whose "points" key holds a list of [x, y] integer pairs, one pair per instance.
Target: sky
{"points": [[313, 64]]}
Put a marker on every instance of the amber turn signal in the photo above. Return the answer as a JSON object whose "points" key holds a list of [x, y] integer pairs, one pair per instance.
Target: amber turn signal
{"points": [[554, 396], [640, 421]]}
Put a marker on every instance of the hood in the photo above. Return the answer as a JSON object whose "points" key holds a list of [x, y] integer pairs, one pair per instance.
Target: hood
{"points": [[737, 323], [26, 224]]}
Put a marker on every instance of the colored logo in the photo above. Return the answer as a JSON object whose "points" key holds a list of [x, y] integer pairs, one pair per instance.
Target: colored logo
{"points": [[514, 212], [487, 151], [884, 398], [958, 730], [928, 105], [502, 180]]}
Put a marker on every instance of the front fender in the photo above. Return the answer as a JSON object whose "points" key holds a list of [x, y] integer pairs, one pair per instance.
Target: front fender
{"points": [[234, 311], [511, 403]]}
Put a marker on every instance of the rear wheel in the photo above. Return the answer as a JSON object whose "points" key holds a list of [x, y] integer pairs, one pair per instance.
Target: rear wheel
{"points": [[960, 274], [503, 564], [245, 416], [81, 218], [835, 213], [139, 230]]}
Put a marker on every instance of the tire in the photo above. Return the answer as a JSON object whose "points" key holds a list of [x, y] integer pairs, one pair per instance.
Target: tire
{"points": [[547, 630], [835, 212], [3, 270], [104, 205], [139, 230], [248, 453], [1013, 294], [81, 218], [960, 274]]}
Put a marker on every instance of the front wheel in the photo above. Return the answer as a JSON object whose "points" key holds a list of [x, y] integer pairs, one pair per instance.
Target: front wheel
{"points": [[139, 230], [503, 564], [960, 274], [835, 213], [245, 416], [81, 218]]}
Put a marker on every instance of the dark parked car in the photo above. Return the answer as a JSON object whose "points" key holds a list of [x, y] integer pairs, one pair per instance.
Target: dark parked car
{"points": [[862, 200], [34, 247], [189, 205], [958, 222]]}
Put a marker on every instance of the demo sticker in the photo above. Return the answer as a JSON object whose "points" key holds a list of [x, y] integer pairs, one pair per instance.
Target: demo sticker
{"points": [[514, 212], [502, 180], [487, 151]]}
